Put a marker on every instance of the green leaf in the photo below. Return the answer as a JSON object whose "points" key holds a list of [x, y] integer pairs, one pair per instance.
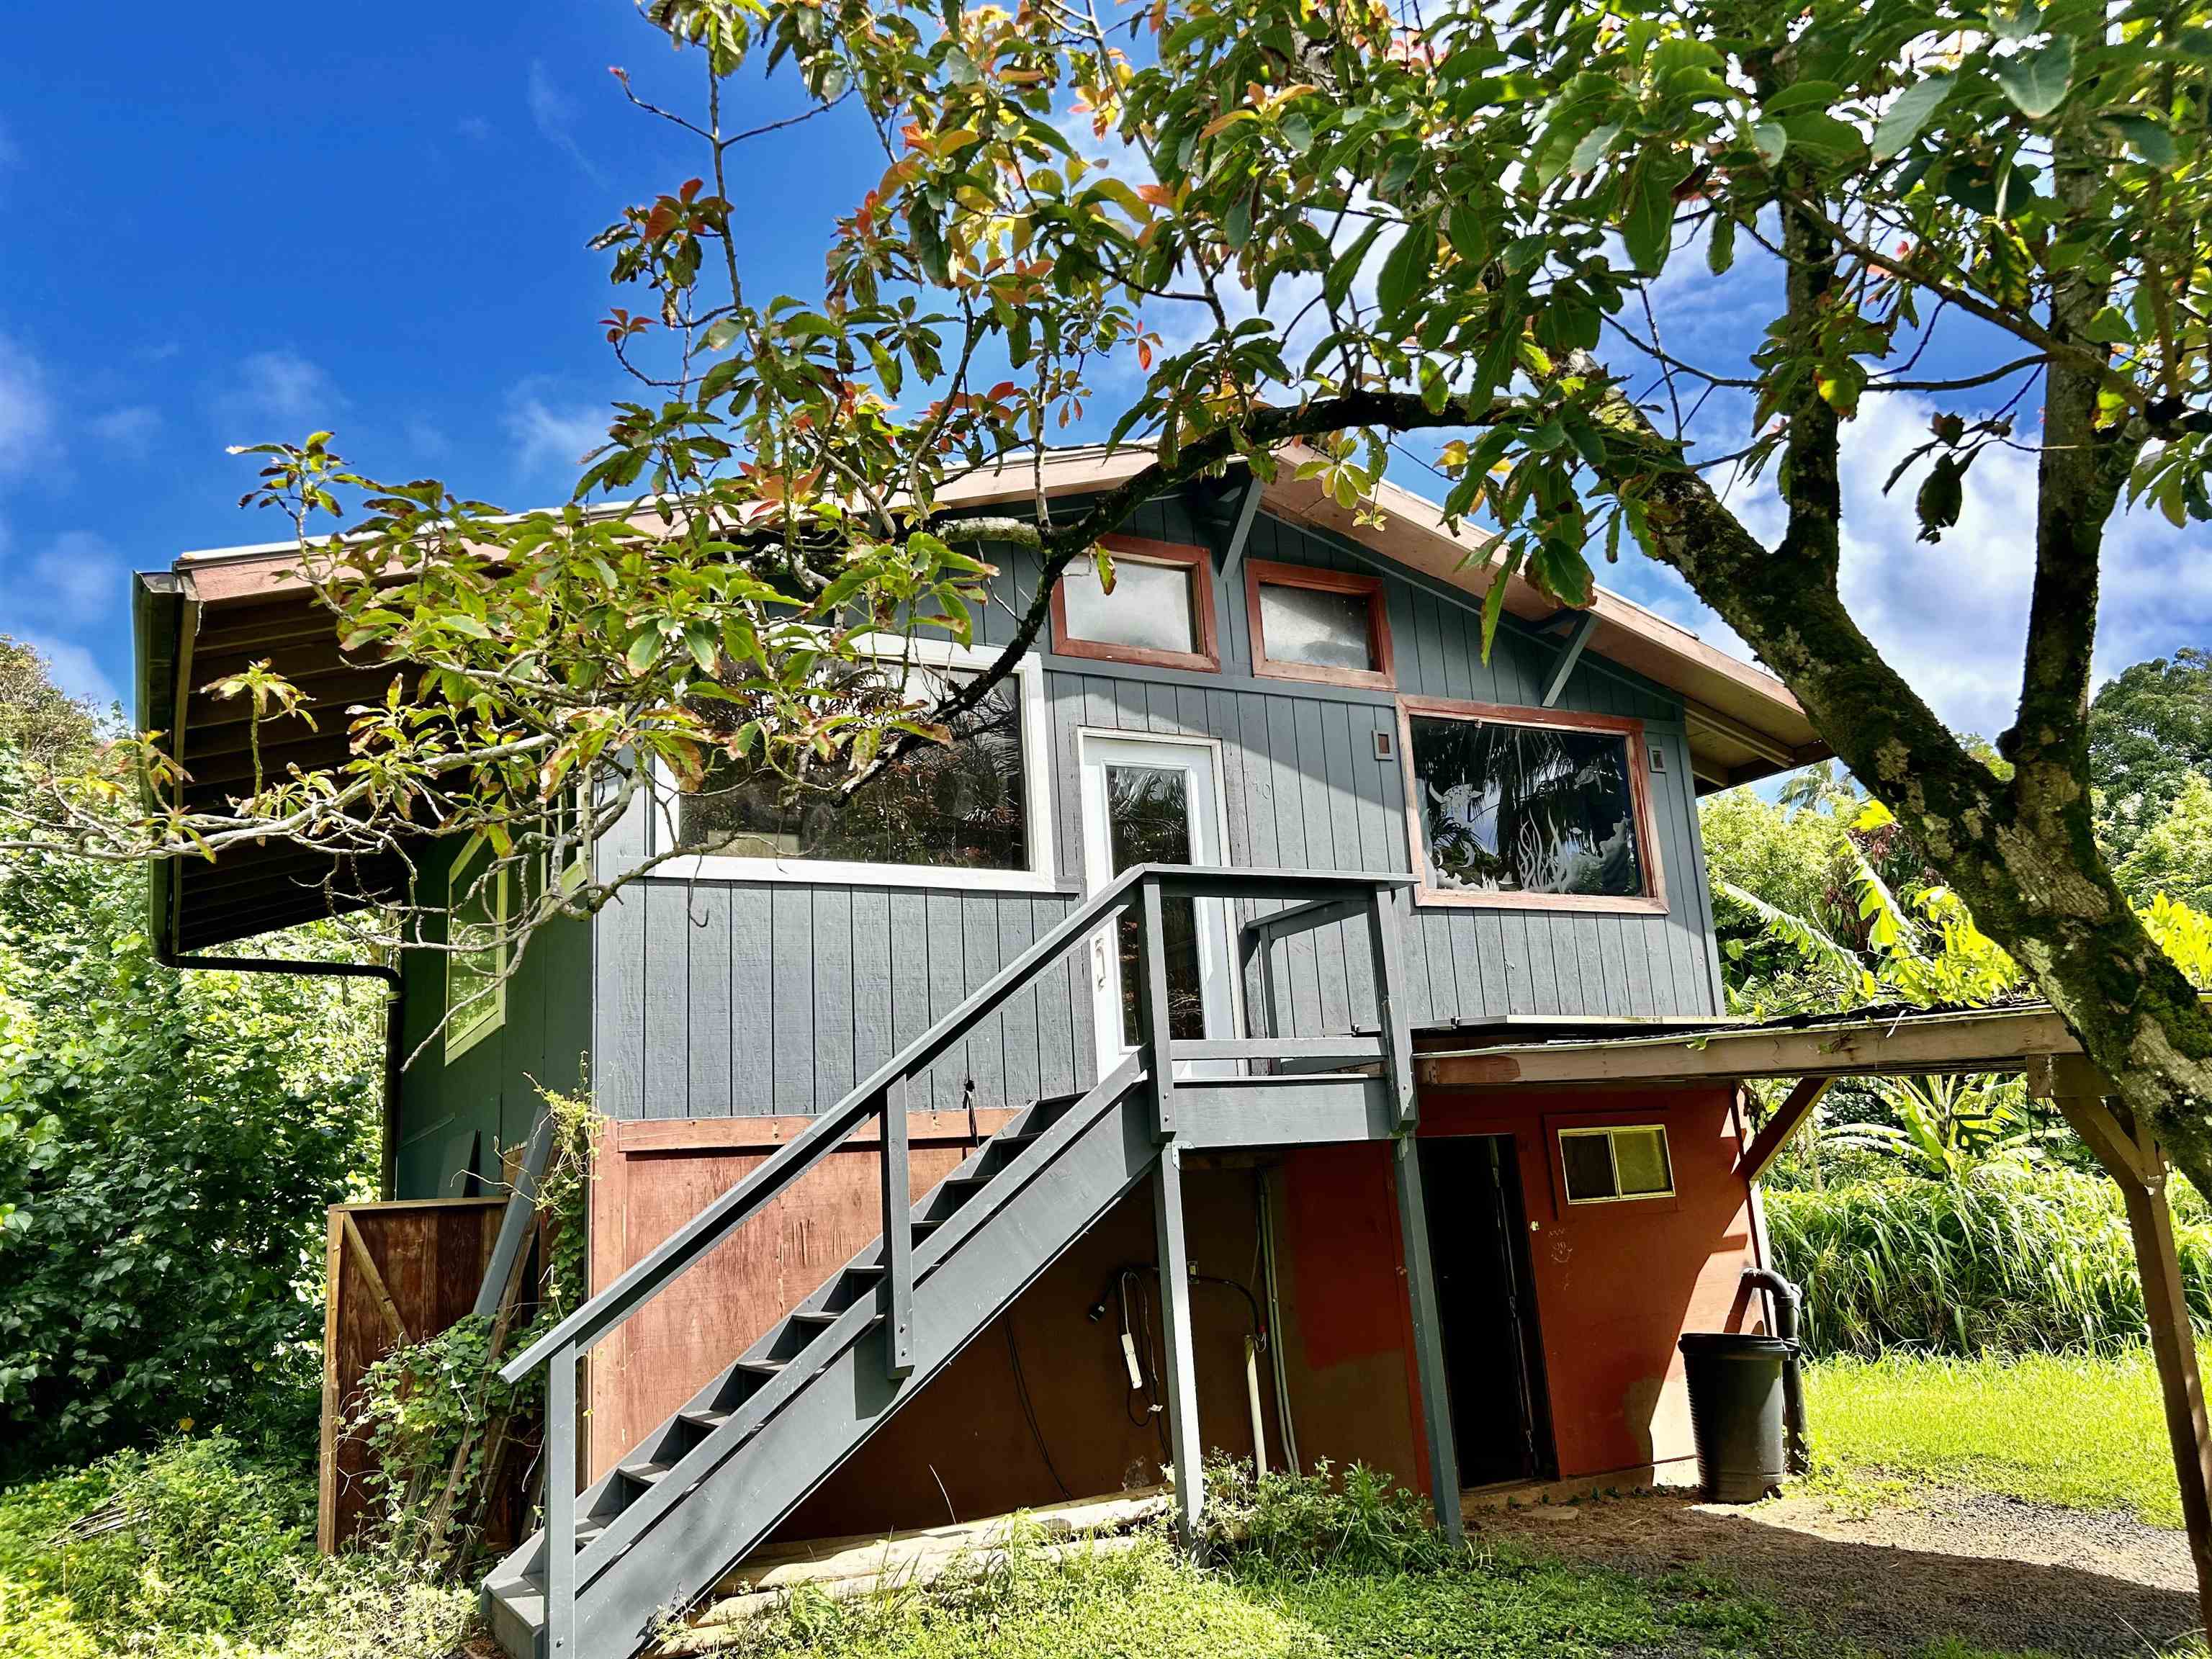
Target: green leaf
{"points": [[2147, 138], [1407, 267], [642, 651], [2036, 81], [1902, 123], [1648, 219], [1770, 141], [1825, 135], [1588, 153], [1720, 244], [1338, 282]]}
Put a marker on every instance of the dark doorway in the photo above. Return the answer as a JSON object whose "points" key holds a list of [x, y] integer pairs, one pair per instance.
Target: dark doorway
{"points": [[1486, 1306]]}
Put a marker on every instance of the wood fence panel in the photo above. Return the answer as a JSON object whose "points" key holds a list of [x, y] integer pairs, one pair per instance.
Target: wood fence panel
{"points": [[394, 1273]]}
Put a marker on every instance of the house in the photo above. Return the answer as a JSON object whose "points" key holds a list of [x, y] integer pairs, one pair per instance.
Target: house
{"points": [[1266, 807]]}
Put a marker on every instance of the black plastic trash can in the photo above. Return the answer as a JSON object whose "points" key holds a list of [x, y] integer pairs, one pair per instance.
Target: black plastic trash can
{"points": [[1735, 1407]]}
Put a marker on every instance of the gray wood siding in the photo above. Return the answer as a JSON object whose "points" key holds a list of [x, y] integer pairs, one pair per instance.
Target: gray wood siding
{"points": [[720, 997]]}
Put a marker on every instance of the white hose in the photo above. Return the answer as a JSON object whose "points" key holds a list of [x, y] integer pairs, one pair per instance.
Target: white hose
{"points": [[1252, 1394]]}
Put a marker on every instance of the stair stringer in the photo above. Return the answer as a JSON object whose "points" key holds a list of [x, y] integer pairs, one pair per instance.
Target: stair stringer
{"points": [[1059, 1193]]}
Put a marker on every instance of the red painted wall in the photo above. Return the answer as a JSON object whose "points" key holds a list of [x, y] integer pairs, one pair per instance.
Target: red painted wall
{"points": [[1617, 1284]]}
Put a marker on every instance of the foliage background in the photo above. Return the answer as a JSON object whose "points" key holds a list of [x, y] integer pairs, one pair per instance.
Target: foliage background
{"points": [[169, 1143]]}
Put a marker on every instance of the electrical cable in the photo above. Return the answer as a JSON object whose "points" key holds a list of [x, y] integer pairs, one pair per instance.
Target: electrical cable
{"points": [[1029, 1410]]}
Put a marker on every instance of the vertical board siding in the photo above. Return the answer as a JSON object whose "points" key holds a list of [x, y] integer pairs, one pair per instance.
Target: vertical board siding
{"points": [[753, 998]]}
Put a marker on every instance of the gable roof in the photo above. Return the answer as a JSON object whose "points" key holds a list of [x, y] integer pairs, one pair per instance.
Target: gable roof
{"points": [[212, 612]]}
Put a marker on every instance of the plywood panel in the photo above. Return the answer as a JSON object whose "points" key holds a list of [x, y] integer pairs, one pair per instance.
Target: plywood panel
{"points": [[654, 1176]]}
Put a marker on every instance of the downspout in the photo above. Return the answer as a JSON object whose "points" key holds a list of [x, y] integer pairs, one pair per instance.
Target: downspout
{"points": [[395, 1041], [1785, 1298]]}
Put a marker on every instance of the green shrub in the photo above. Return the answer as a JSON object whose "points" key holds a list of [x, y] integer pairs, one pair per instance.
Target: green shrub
{"points": [[2003, 1260], [1302, 1523], [196, 1548]]}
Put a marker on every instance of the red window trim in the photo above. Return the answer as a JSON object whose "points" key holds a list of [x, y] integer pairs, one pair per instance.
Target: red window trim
{"points": [[1142, 551], [1259, 573], [1651, 902]]}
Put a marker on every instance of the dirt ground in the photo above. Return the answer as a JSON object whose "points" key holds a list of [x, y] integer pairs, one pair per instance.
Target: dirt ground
{"points": [[1993, 1571]]}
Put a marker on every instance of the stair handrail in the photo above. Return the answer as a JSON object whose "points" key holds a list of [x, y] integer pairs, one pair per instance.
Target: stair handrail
{"points": [[590, 1323]]}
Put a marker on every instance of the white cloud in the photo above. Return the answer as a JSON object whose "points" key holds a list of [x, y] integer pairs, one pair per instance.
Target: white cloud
{"points": [[130, 427], [279, 387], [555, 118], [1952, 616], [76, 579], [473, 127], [545, 435], [25, 411], [76, 671]]}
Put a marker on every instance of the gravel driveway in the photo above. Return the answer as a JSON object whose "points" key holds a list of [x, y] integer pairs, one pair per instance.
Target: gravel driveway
{"points": [[1993, 1571]]}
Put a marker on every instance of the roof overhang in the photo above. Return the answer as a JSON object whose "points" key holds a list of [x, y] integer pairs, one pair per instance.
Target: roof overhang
{"points": [[1917, 1044], [214, 613]]}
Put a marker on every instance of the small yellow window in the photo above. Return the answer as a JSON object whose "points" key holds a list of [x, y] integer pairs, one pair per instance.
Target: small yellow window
{"points": [[1603, 1166]]}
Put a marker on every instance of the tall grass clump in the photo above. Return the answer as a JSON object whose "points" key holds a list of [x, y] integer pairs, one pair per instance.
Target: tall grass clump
{"points": [[2002, 1260]]}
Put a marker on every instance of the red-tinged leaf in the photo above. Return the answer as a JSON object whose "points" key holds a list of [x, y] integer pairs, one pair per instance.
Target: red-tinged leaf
{"points": [[691, 187]]}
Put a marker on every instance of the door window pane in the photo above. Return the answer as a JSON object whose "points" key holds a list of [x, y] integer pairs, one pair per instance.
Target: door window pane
{"points": [[1150, 608], [1316, 627], [957, 806], [1525, 809], [476, 917], [1148, 822]]}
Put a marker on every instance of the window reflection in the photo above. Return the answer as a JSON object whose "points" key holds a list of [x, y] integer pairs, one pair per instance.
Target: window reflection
{"points": [[1525, 809]]}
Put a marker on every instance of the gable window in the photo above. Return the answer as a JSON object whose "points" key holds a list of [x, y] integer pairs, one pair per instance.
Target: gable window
{"points": [[1603, 1166], [970, 812], [1529, 808], [475, 962], [1160, 612], [1310, 624]]}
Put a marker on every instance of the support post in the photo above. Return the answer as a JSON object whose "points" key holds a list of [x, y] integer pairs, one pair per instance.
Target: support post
{"points": [[898, 1236], [1390, 983], [1789, 1118], [1174, 1331], [2132, 1157], [1428, 1338], [561, 1505], [1152, 1005]]}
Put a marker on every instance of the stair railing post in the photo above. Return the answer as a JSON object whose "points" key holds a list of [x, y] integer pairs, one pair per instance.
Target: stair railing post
{"points": [[1182, 1379], [898, 1236], [561, 1505], [1153, 1005], [1390, 1007]]}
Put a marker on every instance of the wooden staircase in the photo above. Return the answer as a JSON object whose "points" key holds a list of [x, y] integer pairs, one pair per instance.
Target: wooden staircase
{"points": [[705, 1488]]}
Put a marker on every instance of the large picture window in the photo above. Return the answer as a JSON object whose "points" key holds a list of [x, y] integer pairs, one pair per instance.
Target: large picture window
{"points": [[1529, 808], [967, 812]]}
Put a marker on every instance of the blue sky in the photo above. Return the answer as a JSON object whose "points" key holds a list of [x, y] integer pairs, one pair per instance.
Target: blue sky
{"points": [[259, 221]]}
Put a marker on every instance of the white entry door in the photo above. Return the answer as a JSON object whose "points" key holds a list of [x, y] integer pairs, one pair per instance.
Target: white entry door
{"points": [[1158, 800]]}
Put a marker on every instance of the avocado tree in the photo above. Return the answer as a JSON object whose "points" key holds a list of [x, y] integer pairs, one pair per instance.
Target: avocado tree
{"points": [[1291, 232]]}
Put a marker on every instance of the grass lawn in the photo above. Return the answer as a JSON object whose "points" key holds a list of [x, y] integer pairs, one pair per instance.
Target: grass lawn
{"points": [[2085, 1433], [1144, 1603]]}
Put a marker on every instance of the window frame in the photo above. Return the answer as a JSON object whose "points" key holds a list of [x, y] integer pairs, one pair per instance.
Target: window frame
{"points": [[1139, 549], [1266, 573], [458, 1040], [1653, 899], [1610, 1130], [1040, 876]]}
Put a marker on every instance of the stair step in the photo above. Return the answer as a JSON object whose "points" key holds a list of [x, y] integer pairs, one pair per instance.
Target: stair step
{"points": [[762, 1367], [643, 1474], [705, 1418], [815, 1316]]}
